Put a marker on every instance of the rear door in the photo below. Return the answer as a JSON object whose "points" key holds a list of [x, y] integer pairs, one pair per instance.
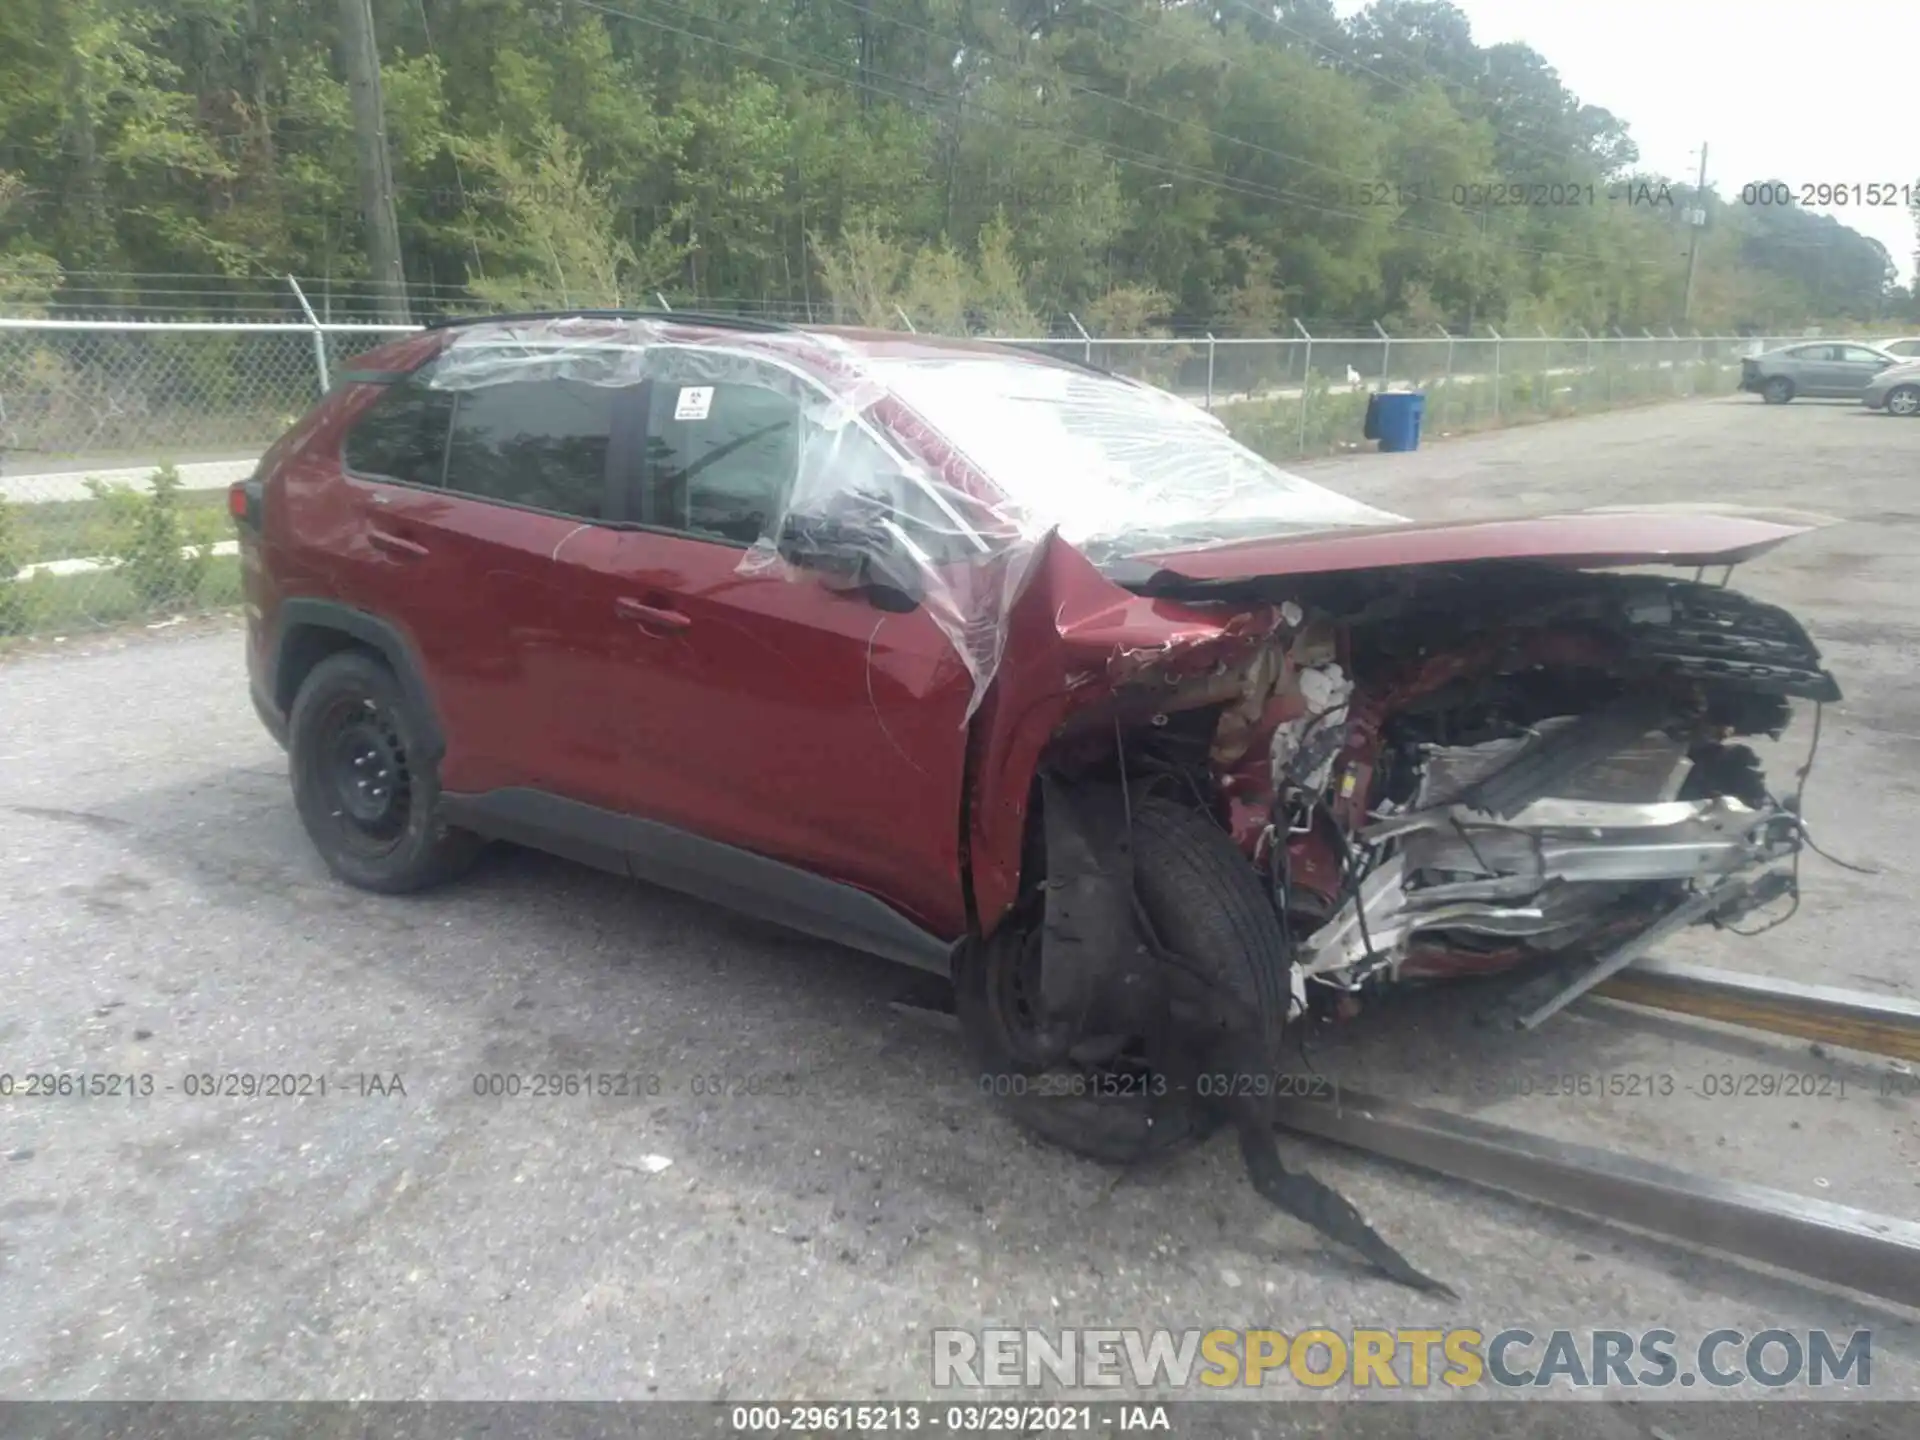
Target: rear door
{"points": [[1814, 369], [774, 713], [489, 561]]}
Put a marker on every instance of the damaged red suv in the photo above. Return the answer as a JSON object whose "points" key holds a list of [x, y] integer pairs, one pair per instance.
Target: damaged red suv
{"points": [[1011, 670]]}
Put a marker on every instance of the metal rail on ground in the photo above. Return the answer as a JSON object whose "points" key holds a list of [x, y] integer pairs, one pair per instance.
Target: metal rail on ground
{"points": [[1834, 1244]]}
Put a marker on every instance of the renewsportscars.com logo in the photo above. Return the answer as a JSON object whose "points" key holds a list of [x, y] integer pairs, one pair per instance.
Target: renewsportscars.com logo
{"points": [[1412, 1359]]}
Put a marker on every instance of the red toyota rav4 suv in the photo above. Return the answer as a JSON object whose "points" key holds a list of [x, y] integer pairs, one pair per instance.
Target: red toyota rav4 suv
{"points": [[1009, 669]]}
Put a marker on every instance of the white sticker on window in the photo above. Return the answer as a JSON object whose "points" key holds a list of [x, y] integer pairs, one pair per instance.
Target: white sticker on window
{"points": [[694, 402]]}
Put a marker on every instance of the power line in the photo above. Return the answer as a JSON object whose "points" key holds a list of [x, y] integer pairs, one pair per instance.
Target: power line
{"points": [[1458, 87], [1119, 100], [1213, 179], [1107, 150]]}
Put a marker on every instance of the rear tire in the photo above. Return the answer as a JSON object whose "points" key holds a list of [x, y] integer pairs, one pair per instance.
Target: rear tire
{"points": [[1209, 908], [1777, 391], [1904, 400], [369, 801]]}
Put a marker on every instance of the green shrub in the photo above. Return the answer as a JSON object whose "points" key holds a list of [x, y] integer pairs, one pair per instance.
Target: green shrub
{"points": [[160, 551]]}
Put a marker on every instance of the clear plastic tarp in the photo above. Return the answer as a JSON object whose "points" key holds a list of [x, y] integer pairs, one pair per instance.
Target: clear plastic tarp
{"points": [[1117, 468], [926, 475]]}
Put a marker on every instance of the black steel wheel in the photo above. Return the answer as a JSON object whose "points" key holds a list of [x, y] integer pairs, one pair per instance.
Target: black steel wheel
{"points": [[366, 796]]}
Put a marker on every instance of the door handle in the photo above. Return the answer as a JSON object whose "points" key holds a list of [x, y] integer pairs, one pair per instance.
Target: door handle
{"points": [[628, 608], [396, 545]]}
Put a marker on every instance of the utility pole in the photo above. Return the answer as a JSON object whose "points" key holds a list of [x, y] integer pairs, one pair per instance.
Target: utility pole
{"points": [[361, 57], [1696, 221]]}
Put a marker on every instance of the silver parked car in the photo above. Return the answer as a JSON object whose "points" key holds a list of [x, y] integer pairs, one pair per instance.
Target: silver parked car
{"points": [[1906, 348], [1833, 369], [1895, 390]]}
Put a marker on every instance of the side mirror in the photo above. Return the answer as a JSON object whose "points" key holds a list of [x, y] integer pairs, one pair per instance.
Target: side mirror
{"points": [[852, 549]]}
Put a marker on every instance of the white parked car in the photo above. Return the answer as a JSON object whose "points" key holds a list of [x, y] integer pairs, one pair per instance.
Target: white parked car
{"points": [[1902, 348]]}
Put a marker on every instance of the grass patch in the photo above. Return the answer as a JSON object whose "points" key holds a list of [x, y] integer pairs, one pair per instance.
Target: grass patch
{"points": [[73, 529], [60, 604], [1323, 422]]}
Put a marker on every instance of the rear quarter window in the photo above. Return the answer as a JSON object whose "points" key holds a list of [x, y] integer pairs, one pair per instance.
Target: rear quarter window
{"points": [[403, 435]]}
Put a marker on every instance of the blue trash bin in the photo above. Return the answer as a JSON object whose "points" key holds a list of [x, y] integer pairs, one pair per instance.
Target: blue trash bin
{"points": [[1395, 419]]}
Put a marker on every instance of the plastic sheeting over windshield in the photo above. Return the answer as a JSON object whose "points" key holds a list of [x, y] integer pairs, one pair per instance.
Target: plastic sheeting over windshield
{"points": [[1116, 468], [890, 499]]}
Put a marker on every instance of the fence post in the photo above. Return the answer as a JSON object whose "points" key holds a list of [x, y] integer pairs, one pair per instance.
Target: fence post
{"points": [[1211, 347], [1447, 335], [319, 336], [1496, 370], [1083, 335], [1386, 354], [1306, 377], [907, 320], [663, 302]]}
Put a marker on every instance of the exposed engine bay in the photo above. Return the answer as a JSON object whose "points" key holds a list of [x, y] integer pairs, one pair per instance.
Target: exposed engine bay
{"points": [[1454, 773]]}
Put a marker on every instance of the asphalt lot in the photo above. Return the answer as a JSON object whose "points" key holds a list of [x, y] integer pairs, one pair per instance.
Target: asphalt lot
{"points": [[162, 914]]}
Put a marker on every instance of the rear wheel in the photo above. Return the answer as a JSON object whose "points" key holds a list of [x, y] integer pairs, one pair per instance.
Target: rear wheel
{"points": [[1904, 400], [1777, 391], [368, 800], [1208, 910]]}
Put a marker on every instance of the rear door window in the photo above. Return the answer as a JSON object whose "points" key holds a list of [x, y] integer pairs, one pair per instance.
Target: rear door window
{"points": [[538, 443], [403, 436]]}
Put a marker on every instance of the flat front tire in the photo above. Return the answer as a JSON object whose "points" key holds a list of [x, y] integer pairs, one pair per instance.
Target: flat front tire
{"points": [[366, 793], [1208, 908]]}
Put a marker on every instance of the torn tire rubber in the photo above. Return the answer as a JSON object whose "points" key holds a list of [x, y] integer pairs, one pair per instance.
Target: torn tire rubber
{"points": [[369, 800], [1204, 902], [1206, 916]]}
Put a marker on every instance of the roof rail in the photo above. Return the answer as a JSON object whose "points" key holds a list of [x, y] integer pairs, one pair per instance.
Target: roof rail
{"points": [[1076, 361], [678, 317]]}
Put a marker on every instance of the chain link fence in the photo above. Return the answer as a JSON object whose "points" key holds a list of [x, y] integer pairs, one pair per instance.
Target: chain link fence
{"points": [[118, 439]]}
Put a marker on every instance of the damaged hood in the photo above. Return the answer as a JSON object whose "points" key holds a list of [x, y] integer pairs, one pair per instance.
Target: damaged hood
{"points": [[1582, 539]]}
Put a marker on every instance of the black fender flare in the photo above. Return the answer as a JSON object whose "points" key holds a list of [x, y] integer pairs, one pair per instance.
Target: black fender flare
{"points": [[293, 655]]}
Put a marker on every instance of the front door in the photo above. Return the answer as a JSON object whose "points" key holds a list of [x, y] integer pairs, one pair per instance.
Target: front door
{"points": [[769, 710], [1854, 367]]}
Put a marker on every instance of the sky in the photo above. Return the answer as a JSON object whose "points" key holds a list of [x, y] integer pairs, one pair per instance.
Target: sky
{"points": [[1805, 94]]}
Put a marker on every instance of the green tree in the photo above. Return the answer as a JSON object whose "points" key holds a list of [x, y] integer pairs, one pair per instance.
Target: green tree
{"points": [[558, 241]]}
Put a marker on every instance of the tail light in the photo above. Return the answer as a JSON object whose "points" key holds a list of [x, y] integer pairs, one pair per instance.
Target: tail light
{"points": [[243, 502]]}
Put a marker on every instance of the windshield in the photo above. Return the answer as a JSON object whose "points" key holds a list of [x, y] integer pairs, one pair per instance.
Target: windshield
{"points": [[1118, 469]]}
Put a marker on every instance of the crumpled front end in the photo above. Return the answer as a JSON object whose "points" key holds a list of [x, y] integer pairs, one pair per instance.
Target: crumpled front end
{"points": [[1435, 792], [1462, 770]]}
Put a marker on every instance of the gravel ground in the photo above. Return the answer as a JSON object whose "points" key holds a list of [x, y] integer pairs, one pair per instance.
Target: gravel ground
{"points": [[163, 915]]}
